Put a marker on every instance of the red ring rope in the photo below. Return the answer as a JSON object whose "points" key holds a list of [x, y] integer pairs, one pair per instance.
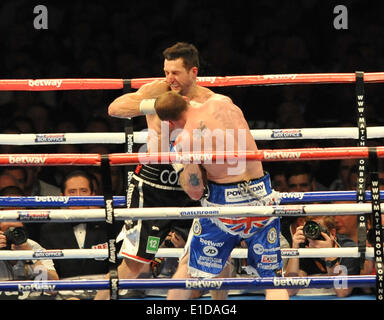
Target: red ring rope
{"points": [[260, 155], [50, 159], [210, 81], [167, 157]]}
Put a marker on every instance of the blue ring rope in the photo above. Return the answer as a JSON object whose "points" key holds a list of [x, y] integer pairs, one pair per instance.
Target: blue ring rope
{"points": [[120, 201]]}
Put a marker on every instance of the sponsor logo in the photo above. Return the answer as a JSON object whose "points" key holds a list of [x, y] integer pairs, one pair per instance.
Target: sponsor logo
{"points": [[291, 252], [280, 76], [272, 235], [291, 282], [272, 266], [203, 284], [114, 288], [131, 188], [112, 251], [234, 194], [169, 177], [48, 254], [32, 216], [270, 258], [281, 155], [50, 138], [258, 248], [109, 209], [287, 210], [207, 79], [295, 133], [62, 199], [45, 83], [210, 251], [36, 287], [211, 243], [129, 143], [26, 159], [194, 157], [100, 246], [292, 195], [196, 228], [200, 212]]}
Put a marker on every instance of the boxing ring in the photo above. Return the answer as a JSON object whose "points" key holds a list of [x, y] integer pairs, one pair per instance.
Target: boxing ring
{"points": [[113, 208]]}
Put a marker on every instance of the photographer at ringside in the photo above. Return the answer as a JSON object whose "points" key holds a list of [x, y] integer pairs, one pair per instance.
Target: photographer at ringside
{"points": [[320, 232], [14, 236]]}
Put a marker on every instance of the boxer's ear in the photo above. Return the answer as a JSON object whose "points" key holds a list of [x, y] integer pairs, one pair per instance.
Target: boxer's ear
{"points": [[171, 124], [194, 71]]}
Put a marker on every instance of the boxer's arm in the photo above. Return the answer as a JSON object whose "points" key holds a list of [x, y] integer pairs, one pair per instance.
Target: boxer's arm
{"points": [[192, 181], [138, 103]]}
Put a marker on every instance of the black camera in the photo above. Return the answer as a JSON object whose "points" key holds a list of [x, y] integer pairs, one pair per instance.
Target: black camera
{"points": [[312, 230], [15, 235]]}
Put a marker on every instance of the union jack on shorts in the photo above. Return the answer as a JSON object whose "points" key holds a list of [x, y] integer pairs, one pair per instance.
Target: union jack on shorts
{"points": [[246, 226]]}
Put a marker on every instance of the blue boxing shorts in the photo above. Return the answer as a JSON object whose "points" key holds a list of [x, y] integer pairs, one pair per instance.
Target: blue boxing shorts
{"points": [[213, 239]]}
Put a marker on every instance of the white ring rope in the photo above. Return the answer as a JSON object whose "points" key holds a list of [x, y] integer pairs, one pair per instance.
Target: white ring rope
{"points": [[141, 137], [84, 215], [237, 253]]}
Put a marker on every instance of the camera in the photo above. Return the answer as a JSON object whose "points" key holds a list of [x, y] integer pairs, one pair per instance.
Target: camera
{"points": [[312, 230], [15, 235]]}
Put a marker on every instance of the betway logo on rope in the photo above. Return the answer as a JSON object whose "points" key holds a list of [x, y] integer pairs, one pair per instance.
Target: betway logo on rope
{"points": [[27, 159], [280, 76], [282, 154], [36, 287], [203, 284], [292, 195], [207, 79], [45, 83], [281, 282], [63, 199], [194, 157]]}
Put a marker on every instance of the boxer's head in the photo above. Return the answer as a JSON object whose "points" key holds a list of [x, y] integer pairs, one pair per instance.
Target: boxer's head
{"points": [[170, 106], [181, 66], [187, 52]]}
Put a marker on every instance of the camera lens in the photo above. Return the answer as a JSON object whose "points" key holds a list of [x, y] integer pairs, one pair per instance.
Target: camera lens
{"points": [[16, 235], [312, 230]]}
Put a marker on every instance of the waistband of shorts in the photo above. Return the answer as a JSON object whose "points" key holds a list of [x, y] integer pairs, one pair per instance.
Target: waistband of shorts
{"points": [[232, 193], [158, 174], [155, 185]]}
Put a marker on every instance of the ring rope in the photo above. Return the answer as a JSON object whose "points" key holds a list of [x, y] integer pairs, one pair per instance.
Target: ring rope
{"points": [[215, 284], [165, 213], [209, 81], [286, 79], [237, 253], [120, 201], [92, 159], [141, 137]]}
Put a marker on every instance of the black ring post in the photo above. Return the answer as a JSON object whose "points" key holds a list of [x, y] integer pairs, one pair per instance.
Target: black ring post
{"points": [[110, 220], [362, 165]]}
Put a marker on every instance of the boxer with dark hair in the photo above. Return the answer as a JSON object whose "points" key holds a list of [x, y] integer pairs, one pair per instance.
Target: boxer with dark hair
{"points": [[156, 185]]}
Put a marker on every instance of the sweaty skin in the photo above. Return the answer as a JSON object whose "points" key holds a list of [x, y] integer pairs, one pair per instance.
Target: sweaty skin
{"points": [[219, 125]]}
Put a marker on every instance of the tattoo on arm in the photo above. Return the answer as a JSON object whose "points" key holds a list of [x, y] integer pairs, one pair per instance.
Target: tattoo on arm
{"points": [[194, 180]]}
